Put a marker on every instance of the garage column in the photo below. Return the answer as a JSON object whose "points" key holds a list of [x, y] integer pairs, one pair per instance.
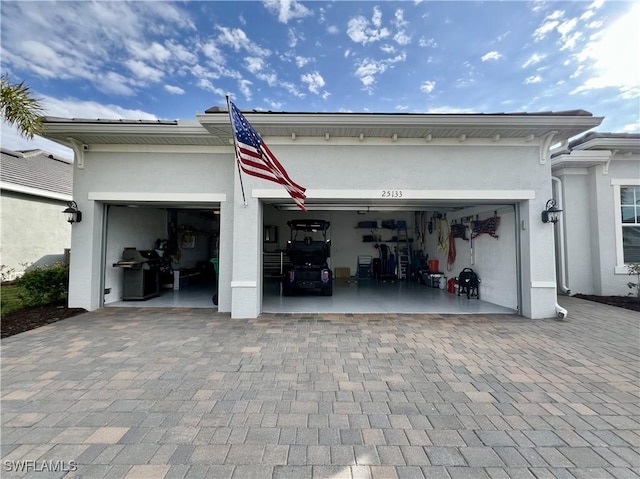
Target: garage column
{"points": [[538, 262], [246, 278]]}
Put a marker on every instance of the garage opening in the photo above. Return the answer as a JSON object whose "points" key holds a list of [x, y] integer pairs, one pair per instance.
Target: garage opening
{"points": [[386, 258], [161, 256]]}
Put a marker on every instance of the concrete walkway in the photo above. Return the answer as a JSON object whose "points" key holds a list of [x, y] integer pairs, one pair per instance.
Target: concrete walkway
{"points": [[149, 393]]}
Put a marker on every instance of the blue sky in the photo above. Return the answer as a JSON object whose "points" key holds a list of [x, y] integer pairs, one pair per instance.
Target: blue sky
{"points": [[169, 60]]}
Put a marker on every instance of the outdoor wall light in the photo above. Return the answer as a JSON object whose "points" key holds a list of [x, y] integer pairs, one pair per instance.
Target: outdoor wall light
{"points": [[551, 214], [74, 215]]}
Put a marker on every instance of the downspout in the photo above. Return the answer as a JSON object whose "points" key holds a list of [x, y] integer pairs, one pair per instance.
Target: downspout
{"points": [[561, 260], [561, 312]]}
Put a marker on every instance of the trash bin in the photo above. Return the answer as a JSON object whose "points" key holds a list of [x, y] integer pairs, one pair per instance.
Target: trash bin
{"points": [[215, 262]]}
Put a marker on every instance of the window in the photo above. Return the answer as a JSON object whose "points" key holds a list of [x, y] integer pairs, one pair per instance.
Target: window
{"points": [[630, 215]]}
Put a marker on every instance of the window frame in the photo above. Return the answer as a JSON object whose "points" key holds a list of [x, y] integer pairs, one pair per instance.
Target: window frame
{"points": [[621, 266]]}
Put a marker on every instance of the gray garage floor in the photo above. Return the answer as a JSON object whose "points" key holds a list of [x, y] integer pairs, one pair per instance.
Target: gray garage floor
{"points": [[349, 297]]}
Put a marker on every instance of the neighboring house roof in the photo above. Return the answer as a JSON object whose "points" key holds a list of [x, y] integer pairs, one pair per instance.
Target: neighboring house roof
{"points": [[36, 172]]}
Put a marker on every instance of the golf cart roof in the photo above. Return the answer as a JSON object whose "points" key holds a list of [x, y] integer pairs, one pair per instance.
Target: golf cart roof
{"points": [[309, 225]]}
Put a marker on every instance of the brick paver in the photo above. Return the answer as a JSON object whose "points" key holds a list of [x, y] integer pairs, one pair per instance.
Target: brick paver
{"points": [[179, 393]]}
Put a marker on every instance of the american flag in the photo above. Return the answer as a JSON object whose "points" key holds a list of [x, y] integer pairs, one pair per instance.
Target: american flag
{"points": [[256, 158]]}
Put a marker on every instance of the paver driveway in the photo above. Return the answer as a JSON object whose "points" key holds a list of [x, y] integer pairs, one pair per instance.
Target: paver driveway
{"points": [[188, 393]]}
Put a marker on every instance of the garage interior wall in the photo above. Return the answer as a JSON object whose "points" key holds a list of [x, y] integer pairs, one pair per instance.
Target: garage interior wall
{"points": [[494, 259], [346, 239], [150, 224]]}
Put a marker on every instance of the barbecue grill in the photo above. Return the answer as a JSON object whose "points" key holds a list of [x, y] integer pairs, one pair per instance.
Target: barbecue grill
{"points": [[140, 275]]}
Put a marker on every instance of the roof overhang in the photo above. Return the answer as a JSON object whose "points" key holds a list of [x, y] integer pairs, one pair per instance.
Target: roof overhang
{"points": [[622, 145], [580, 159], [214, 129], [427, 126]]}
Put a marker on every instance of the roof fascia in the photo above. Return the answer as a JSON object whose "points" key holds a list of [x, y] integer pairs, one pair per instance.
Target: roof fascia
{"points": [[71, 127], [579, 158], [342, 119], [28, 190], [609, 143]]}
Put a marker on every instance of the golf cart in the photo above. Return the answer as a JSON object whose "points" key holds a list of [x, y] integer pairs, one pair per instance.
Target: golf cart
{"points": [[308, 250]]}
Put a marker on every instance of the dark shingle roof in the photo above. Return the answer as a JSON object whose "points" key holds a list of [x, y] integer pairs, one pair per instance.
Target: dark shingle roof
{"points": [[36, 169]]}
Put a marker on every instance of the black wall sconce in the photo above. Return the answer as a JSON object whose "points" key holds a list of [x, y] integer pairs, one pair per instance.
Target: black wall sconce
{"points": [[551, 214], [74, 215]]}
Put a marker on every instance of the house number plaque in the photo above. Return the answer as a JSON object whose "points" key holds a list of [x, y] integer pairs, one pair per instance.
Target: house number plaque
{"points": [[391, 194]]}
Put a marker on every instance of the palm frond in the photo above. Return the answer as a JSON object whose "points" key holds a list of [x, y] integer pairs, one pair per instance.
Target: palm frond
{"points": [[20, 108]]}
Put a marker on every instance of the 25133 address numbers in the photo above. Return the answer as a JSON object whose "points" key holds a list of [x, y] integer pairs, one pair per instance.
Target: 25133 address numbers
{"points": [[391, 194]]}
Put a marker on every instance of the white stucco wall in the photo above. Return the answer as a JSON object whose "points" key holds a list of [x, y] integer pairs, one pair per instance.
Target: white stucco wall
{"points": [[34, 231], [341, 165], [589, 204], [168, 176]]}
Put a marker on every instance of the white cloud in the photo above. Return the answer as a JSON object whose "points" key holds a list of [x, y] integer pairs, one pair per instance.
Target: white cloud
{"points": [[73, 108], [153, 52], [238, 40], [402, 107], [12, 140], [207, 85], [401, 38], [293, 89], [533, 79], [287, 9], [611, 60], [631, 127], [368, 69], [144, 71], [549, 24], [314, 82], [333, 30], [254, 64], [427, 86], [174, 90], [360, 30], [67, 46], [302, 61], [113, 82], [244, 88], [212, 52], [427, 42], [491, 56], [450, 109], [533, 59]]}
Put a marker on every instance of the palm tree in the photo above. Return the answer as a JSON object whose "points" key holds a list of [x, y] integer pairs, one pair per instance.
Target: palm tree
{"points": [[20, 108]]}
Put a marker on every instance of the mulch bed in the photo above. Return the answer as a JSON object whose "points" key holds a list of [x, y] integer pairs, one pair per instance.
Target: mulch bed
{"points": [[31, 318], [626, 302]]}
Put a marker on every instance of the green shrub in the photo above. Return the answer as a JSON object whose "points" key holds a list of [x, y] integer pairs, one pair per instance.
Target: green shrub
{"points": [[44, 285]]}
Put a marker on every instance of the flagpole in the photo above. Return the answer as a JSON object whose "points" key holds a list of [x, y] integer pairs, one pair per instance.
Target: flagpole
{"points": [[235, 149]]}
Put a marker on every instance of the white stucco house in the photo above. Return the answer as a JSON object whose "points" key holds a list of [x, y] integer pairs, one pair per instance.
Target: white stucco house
{"points": [[597, 183], [35, 189], [139, 181]]}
